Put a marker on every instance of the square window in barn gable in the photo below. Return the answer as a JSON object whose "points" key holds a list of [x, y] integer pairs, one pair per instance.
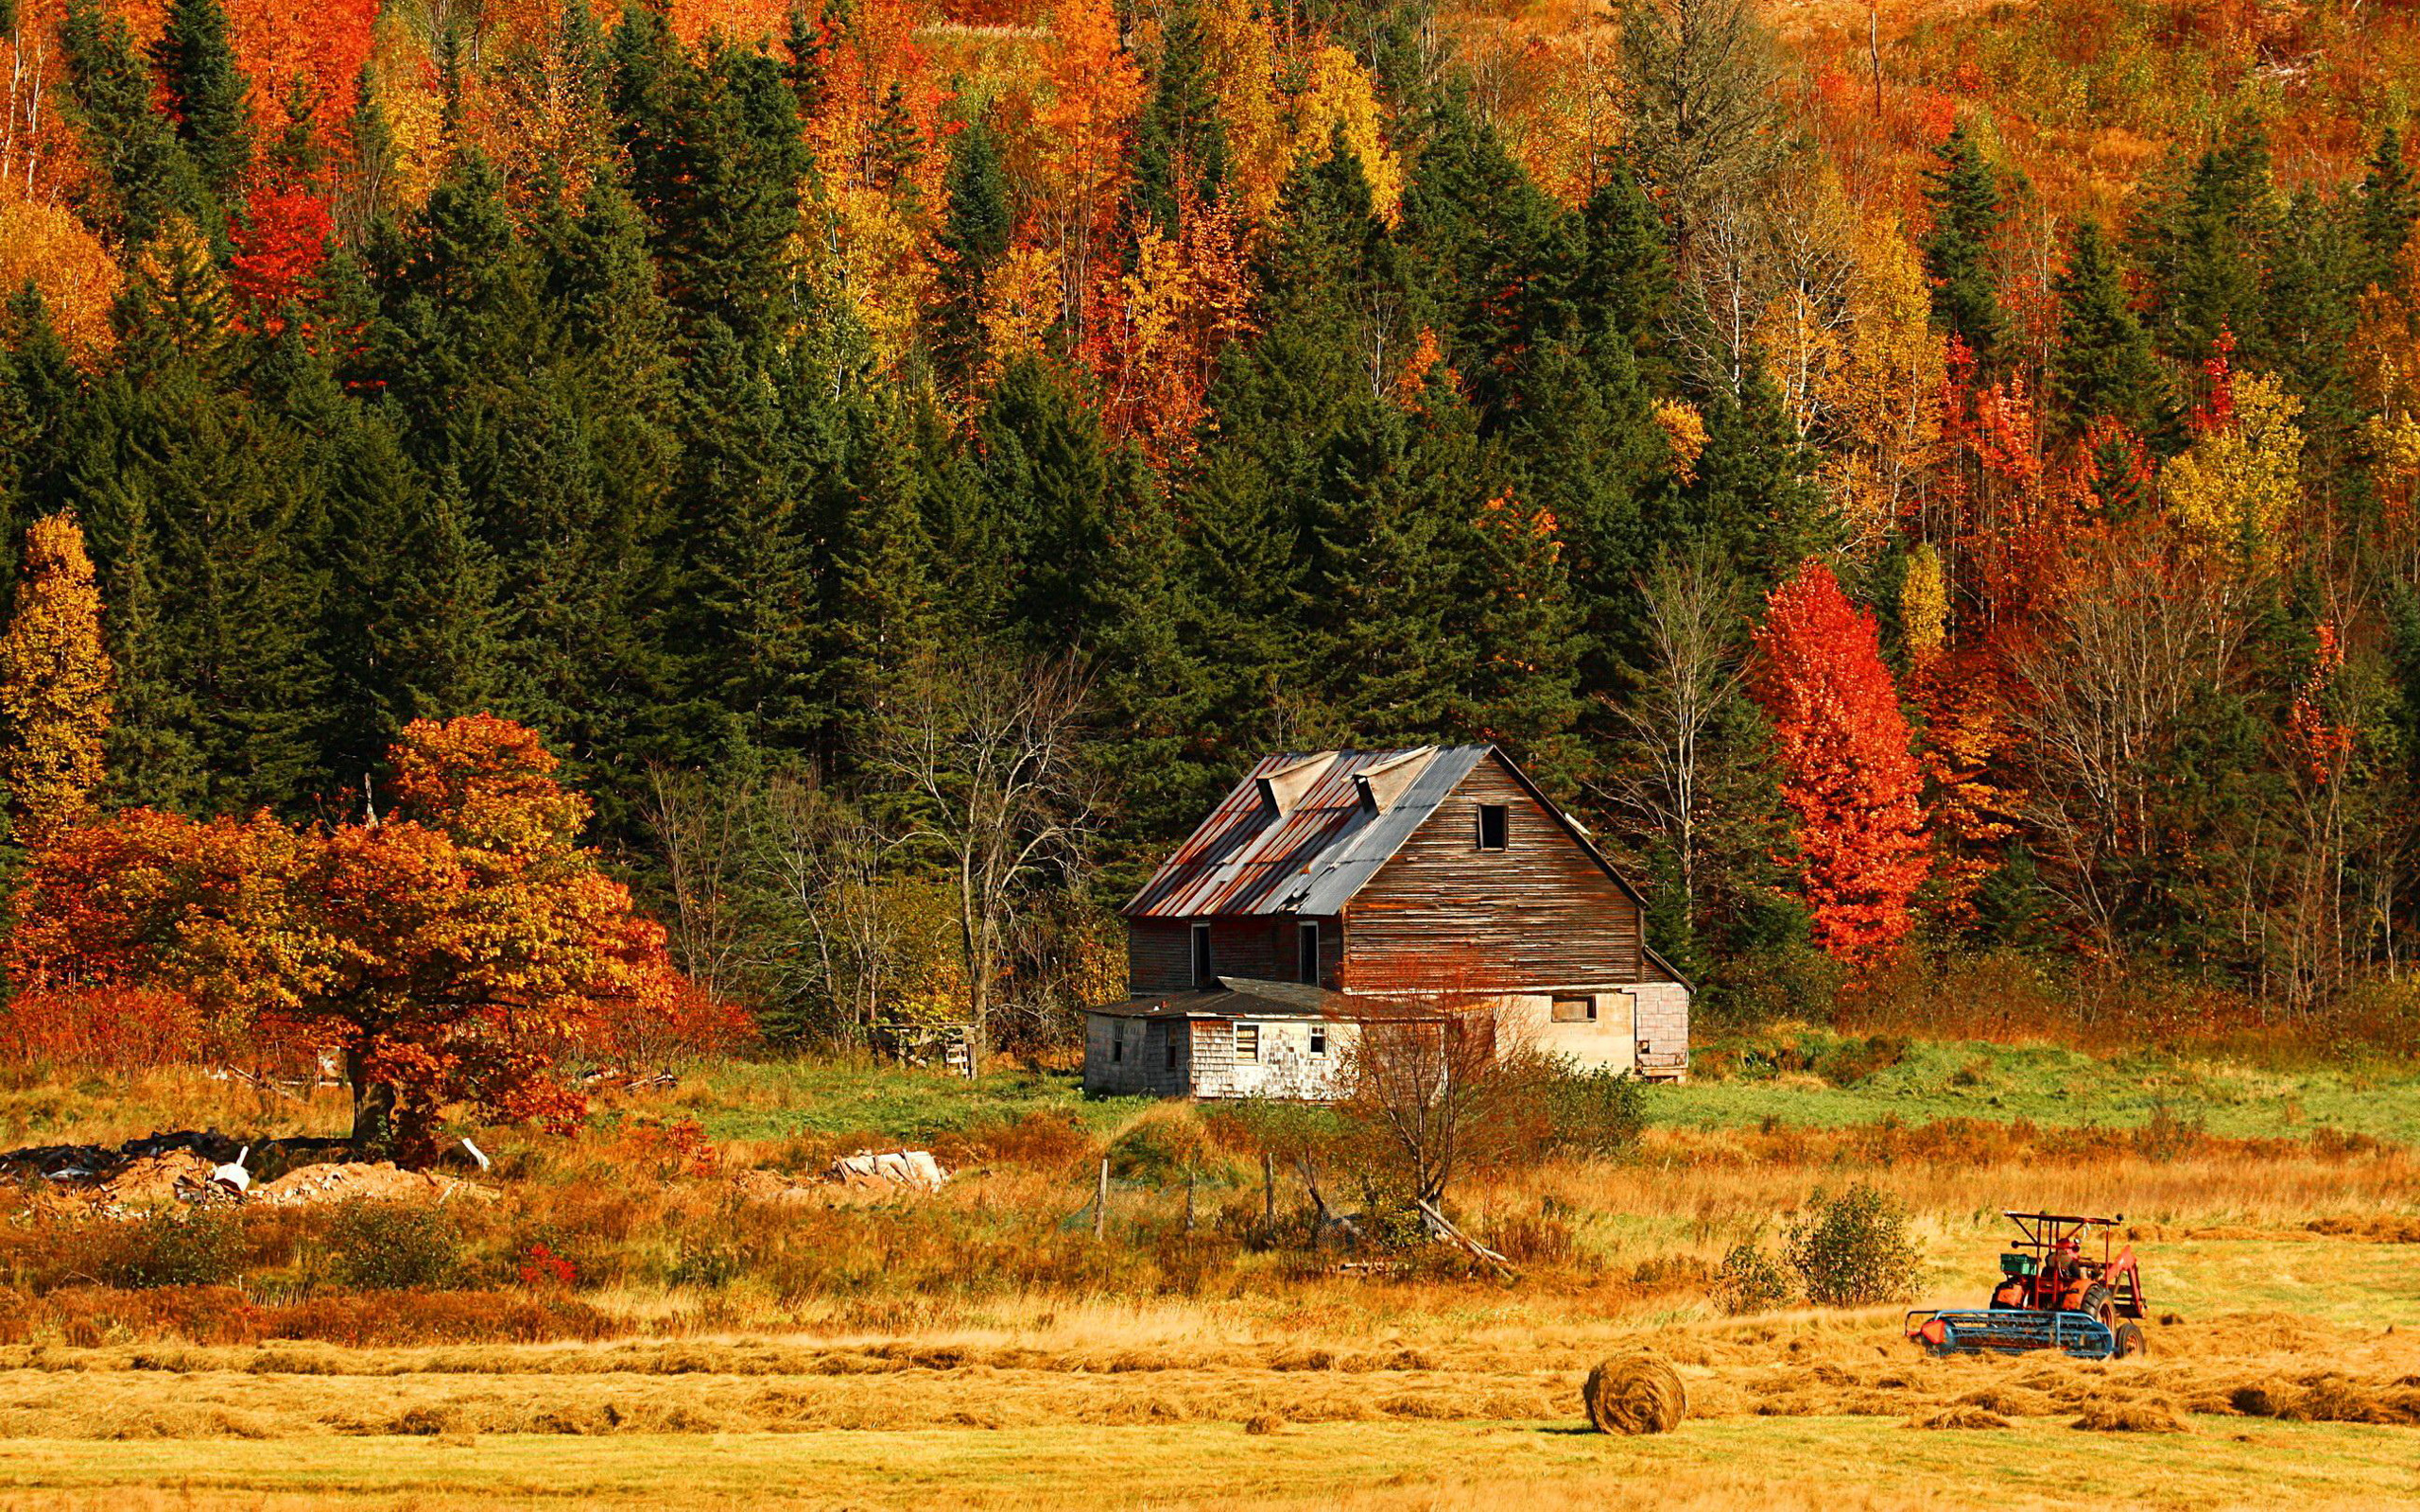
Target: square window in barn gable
{"points": [[1248, 1044], [1494, 821]]}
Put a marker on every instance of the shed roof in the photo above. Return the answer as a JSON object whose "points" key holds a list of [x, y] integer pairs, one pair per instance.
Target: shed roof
{"points": [[1303, 831]]}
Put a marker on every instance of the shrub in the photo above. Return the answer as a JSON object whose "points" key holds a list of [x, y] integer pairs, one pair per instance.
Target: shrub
{"points": [[706, 1264], [393, 1247], [1853, 1249], [174, 1246], [1751, 1281], [1594, 1111]]}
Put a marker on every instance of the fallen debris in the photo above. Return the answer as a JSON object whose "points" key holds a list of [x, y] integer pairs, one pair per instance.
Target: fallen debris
{"points": [[867, 1169], [898, 1168], [616, 1080], [362, 1182]]}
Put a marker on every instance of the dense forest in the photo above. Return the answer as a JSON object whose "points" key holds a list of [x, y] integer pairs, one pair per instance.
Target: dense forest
{"points": [[1928, 488]]}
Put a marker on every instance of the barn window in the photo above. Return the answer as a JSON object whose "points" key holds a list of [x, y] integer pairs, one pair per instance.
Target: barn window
{"points": [[1171, 1047], [1492, 820], [1307, 953], [1248, 1044], [1319, 1040], [1200, 955], [1574, 1010], [1116, 1040]]}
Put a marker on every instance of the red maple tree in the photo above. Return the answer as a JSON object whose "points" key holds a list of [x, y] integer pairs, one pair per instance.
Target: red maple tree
{"points": [[1848, 775], [451, 950], [281, 245]]}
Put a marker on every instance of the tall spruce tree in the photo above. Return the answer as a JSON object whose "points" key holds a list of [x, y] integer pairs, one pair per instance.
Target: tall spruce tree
{"points": [[207, 93], [1963, 195], [1180, 144], [975, 236], [149, 177], [2103, 365]]}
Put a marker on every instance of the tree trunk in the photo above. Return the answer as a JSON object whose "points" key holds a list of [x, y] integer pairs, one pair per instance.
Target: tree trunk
{"points": [[374, 1108]]}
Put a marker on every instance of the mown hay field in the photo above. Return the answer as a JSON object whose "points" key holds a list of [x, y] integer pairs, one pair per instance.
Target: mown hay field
{"points": [[978, 1347]]}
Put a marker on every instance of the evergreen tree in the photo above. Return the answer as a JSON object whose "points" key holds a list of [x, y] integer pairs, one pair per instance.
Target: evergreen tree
{"points": [[2389, 206], [1623, 282], [207, 93], [2102, 364], [975, 236], [1180, 144], [1489, 245], [149, 175], [2207, 245], [1963, 195]]}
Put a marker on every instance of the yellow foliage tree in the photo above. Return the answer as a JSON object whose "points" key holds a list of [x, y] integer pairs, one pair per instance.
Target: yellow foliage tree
{"points": [[46, 245], [2237, 484], [1244, 63], [1343, 97], [1883, 396], [55, 683], [1924, 606]]}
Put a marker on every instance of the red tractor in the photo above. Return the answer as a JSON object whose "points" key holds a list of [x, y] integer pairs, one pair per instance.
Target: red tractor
{"points": [[2051, 1295]]}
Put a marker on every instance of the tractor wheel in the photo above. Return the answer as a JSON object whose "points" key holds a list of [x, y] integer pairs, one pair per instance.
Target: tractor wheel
{"points": [[2099, 1301], [2129, 1339]]}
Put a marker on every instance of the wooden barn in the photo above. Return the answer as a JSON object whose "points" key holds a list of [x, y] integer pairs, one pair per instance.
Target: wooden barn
{"points": [[1325, 882]]}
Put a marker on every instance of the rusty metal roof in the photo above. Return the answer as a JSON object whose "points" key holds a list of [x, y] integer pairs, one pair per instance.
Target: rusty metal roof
{"points": [[1303, 831]]}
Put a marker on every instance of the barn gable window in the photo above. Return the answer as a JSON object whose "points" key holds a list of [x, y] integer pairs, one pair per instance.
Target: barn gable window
{"points": [[1307, 953], [1200, 955], [1493, 820], [1248, 1044]]}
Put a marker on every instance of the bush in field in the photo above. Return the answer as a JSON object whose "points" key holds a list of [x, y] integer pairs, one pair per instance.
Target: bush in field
{"points": [[392, 1247], [1751, 1281], [1592, 1111], [173, 1247], [1853, 1249]]}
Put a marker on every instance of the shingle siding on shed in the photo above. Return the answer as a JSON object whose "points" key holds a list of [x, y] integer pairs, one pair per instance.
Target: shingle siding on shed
{"points": [[1539, 913]]}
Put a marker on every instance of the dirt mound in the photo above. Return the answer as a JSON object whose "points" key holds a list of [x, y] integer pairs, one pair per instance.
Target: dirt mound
{"points": [[2131, 1418], [357, 1181], [1959, 1417], [157, 1180], [1634, 1394], [867, 1170]]}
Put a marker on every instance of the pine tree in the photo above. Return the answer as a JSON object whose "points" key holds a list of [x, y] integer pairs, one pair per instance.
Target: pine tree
{"points": [[207, 91], [2102, 364], [54, 686], [1963, 195], [2389, 205], [975, 236], [1623, 282], [150, 177], [2206, 245], [1180, 143], [1049, 482], [1488, 243]]}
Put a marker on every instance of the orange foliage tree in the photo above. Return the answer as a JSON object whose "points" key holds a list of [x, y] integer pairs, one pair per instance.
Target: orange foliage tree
{"points": [[1848, 776], [450, 949]]}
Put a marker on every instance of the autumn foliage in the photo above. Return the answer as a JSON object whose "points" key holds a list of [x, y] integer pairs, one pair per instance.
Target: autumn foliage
{"points": [[1847, 773], [452, 949], [54, 685]]}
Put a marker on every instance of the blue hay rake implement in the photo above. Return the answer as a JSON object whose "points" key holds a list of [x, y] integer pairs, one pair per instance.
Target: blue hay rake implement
{"points": [[2051, 1295], [2011, 1331]]}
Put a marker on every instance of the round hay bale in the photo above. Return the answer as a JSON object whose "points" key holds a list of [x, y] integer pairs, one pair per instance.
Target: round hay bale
{"points": [[1634, 1394], [1264, 1422]]}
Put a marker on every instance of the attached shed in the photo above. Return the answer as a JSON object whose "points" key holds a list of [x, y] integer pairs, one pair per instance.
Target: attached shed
{"points": [[1335, 876]]}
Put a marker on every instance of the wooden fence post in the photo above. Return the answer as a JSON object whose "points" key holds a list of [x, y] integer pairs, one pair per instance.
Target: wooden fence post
{"points": [[1100, 1201]]}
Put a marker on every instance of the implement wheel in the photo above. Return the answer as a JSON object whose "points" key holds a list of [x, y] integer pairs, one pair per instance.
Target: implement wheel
{"points": [[2129, 1339]]}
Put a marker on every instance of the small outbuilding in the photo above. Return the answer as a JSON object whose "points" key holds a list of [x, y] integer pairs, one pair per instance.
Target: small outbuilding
{"points": [[1330, 881]]}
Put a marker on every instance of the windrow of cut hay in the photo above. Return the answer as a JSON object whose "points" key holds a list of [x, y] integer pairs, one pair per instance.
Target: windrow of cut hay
{"points": [[1775, 1368]]}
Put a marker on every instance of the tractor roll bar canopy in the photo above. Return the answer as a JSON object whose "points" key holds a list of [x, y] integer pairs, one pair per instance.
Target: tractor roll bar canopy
{"points": [[2041, 1231]]}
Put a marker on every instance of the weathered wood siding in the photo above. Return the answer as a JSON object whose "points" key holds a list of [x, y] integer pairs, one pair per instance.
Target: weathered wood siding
{"points": [[1159, 952], [1286, 1067], [1537, 914], [1142, 1068]]}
